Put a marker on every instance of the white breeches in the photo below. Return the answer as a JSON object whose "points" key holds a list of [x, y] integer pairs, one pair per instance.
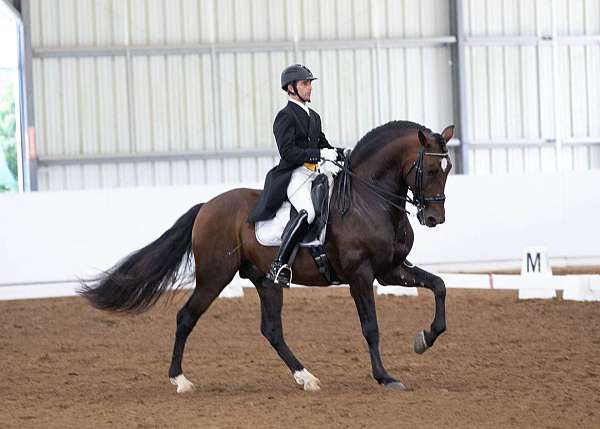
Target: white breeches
{"points": [[298, 191]]}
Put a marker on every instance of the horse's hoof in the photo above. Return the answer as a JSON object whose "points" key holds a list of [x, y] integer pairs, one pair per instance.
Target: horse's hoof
{"points": [[309, 382], [183, 384], [420, 344], [312, 387], [394, 385]]}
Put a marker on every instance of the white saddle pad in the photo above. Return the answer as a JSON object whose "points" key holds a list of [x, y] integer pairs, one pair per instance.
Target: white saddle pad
{"points": [[268, 232]]}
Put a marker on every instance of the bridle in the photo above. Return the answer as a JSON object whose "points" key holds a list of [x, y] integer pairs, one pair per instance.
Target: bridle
{"points": [[419, 200]]}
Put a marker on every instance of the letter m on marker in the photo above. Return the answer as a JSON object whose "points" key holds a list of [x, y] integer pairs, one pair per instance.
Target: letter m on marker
{"points": [[534, 265]]}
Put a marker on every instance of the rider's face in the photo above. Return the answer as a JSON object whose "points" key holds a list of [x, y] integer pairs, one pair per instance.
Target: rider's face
{"points": [[304, 89]]}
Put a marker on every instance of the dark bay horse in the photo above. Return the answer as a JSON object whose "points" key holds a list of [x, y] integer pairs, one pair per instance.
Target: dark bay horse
{"points": [[369, 237]]}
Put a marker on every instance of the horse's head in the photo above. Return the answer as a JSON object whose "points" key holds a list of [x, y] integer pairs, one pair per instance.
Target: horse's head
{"points": [[427, 176], [391, 158]]}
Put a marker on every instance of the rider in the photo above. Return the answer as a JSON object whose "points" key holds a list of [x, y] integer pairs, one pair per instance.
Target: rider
{"points": [[301, 144]]}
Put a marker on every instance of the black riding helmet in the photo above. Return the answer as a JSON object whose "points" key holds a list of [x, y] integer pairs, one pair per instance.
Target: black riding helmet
{"points": [[293, 74]]}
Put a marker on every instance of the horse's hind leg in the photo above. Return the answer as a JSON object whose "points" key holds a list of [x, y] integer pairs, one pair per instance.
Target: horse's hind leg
{"points": [[271, 302], [411, 275], [202, 297]]}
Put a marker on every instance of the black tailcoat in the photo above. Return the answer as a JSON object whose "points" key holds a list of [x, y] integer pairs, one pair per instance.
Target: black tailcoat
{"points": [[299, 139]]}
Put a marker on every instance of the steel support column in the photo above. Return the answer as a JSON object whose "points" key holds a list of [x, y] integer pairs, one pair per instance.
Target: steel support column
{"points": [[28, 115], [460, 91]]}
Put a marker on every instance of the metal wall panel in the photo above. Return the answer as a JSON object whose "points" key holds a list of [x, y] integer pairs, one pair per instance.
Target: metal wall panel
{"points": [[531, 67], [138, 77]]}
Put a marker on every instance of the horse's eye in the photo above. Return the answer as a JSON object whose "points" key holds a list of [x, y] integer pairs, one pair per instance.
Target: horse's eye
{"points": [[431, 173]]}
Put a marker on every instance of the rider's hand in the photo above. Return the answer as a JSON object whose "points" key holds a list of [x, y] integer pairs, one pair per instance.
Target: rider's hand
{"points": [[329, 154], [329, 168]]}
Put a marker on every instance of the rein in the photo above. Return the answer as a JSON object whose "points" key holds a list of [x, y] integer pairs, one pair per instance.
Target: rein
{"points": [[418, 200], [345, 190]]}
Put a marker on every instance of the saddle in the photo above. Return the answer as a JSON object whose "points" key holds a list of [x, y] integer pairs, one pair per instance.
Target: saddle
{"points": [[269, 232]]}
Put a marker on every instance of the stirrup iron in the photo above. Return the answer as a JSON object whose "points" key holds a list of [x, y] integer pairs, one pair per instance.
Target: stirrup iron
{"points": [[286, 282], [278, 277]]}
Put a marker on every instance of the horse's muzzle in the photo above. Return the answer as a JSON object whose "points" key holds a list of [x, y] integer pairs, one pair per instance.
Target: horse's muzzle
{"points": [[430, 220]]}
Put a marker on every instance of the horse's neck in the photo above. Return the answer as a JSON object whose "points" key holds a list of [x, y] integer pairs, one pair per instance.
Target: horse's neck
{"points": [[385, 170], [389, 189]]}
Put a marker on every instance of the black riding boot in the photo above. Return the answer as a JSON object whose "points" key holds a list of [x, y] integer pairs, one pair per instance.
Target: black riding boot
{"points": [[279, 271]]}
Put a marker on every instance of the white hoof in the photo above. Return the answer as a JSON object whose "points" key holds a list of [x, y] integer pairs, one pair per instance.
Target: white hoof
{"points": [[307, 380], [183, 384], [420, 343]]}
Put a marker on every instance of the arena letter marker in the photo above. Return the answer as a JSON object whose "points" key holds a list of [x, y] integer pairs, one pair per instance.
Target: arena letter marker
{"points": [[536, 275]]}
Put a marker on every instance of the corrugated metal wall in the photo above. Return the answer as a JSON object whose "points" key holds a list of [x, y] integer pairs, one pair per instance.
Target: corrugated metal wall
{"points": [[532, 70], [157, 92], [118, 82]]}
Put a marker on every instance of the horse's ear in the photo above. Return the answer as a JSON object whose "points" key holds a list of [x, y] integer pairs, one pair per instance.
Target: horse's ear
{"points": [[423, 139], [448, 132]]}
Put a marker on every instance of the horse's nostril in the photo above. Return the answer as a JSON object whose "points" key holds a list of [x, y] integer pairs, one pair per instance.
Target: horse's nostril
{"points": [[431, 220]]}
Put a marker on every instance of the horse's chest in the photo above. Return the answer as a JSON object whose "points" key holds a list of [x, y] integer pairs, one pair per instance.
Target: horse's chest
{"points": [[403, 239]]}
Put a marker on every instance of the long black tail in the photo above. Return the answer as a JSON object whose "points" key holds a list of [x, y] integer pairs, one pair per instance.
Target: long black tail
{"points": [[135, 283]]}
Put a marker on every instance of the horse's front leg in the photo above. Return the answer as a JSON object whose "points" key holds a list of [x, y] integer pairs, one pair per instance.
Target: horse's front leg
{"points": [[407, 274], [361, 289]]}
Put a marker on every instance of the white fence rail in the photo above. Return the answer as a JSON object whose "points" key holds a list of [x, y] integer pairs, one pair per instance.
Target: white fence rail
{"points": [[56, 237]]}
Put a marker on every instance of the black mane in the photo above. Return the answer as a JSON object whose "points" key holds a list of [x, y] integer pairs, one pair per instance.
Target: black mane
{"points": [[369, 143]]}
